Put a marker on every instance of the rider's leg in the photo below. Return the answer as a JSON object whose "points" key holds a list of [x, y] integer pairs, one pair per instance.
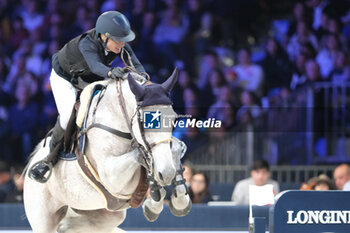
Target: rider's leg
{"points": [[39, 171], [65, 97]]}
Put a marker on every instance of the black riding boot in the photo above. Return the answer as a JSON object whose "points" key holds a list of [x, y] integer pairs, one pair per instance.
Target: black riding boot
{"points": [[39, 170]]}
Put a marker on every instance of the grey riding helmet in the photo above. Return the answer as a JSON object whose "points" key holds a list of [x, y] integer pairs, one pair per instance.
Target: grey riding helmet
{"points": [[114, 25]]}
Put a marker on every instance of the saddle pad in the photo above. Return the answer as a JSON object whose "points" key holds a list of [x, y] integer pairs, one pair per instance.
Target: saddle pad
{"points": [[67, 156], [85, 97]]}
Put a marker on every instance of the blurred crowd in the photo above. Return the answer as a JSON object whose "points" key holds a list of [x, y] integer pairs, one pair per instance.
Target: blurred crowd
{"points": [[235, 57], [198, 183]]}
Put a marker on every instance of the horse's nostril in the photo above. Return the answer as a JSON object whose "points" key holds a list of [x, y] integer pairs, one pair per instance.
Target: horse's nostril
{"points": [[160, 176]]}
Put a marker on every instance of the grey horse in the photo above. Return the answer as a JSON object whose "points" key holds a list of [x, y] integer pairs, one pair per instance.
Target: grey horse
{"points": [[69, 203]]}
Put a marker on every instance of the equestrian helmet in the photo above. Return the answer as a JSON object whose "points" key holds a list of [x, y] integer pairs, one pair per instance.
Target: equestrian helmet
{"points": [[114, 25]]}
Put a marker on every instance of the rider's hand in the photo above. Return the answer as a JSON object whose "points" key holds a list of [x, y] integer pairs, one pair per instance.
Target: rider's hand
{"points": [[117, 72]]}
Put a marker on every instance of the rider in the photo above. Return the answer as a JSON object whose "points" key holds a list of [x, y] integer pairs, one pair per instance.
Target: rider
{"points": [[87, 57]]}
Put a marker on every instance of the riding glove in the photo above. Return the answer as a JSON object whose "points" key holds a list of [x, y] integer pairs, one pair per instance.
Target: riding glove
{"points": [[118, 72]]}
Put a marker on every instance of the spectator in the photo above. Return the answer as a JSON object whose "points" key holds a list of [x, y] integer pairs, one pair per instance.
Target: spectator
{"points": [[342, 177], [224, 102], [194, 105], [319, 183], [199, 190], [5, 147], [302, 36], [217, 152], [318, 8], [324, 183], [82, 15], [298, 77], [53, 46], [188, 173], [204, 37], [341, 69], [31, 17], [194, 140], [144, 48], [6, 183], [260, 175], [195, 12], [48, 113], [310, 184], [250, 76], [312, 73], [190, 97], [249, 106], [23, 119], [335, 29], [300, 13], [276, 66], [326, 57], [16, 196], [323, 29], [17, 70], [169, 34], [19, 33], [31, 81], [137, 14], [216, 80], [346, 22], [184, 81], [208, 63], [3, 70]]}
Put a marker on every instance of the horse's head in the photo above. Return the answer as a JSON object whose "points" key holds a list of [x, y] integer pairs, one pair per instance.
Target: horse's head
{"points": [[153, 109]]}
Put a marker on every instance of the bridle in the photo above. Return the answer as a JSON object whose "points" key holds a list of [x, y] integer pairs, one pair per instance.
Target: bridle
{"points": [[144, 148]]}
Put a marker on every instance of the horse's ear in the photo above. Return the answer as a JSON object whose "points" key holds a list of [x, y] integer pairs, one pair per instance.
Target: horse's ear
{"points": [[170, 82], [136, 88]]}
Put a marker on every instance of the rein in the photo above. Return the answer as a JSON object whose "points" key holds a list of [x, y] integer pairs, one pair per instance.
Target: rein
{"points": [[144, 149], [130, 66]]}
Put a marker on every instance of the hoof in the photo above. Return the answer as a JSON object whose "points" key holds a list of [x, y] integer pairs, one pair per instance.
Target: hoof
{"points": [[180, 213], [149, 215]]}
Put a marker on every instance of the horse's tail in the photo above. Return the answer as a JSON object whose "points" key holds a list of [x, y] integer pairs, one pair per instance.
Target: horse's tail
{"points": [[31, 156]]}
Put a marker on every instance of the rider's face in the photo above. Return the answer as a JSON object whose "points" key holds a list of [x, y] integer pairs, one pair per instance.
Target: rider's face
{"points": [[115, 46]]}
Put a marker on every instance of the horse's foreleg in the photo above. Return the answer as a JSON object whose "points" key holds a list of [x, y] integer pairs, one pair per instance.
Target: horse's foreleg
{"points": [[180, 202], [151, 208]]}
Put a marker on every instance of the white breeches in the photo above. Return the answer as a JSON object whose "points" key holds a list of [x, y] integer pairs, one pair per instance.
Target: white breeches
{"points": [[65, 96]]}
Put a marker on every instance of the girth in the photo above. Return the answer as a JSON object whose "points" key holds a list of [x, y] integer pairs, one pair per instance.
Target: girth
{"points": [[113, 201]]}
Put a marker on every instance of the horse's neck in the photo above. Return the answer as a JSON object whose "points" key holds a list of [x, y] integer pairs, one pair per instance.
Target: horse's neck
{"points": [[110, 110], [110, 154]]}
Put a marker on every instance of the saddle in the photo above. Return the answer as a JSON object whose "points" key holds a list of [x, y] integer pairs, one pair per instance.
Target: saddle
{"points": [[74, 147]]}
